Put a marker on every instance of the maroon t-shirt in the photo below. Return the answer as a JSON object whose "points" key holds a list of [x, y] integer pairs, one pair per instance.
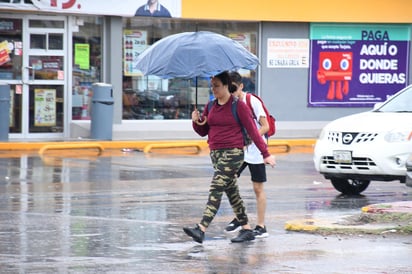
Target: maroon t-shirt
{"points": [[224, 131]]}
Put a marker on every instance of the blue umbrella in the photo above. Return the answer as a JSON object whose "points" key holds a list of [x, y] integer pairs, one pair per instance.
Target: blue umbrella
{"points": [[194, 54]]}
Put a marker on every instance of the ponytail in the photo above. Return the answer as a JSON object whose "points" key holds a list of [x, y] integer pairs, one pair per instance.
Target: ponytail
{"points": [[224, 77]]}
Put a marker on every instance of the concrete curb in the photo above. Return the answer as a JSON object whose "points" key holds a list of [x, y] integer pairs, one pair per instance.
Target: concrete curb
{"points": [[283, 144], [374, 219]]}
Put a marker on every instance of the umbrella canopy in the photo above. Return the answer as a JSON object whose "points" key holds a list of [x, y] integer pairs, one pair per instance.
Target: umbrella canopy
{"points": [[194, 54]]}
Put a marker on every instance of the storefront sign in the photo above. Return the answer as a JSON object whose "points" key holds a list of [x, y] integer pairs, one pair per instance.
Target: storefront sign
{"points": [[125, 8], [357, 65], [288, 53], [45, 107]]}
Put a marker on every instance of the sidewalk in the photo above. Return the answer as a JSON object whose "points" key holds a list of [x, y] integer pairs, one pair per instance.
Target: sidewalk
{"points": [[382, 218]]}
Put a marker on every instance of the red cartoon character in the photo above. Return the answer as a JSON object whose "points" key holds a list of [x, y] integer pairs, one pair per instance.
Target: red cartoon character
{"points": [[335, 67]]}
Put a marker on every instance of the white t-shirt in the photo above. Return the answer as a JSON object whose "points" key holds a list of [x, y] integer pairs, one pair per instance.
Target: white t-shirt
{"points": [[252, 153]]}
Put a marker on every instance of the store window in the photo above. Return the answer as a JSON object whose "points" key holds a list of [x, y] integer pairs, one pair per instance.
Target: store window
{"points": [[11, 52], [87, 55], [150, 97]]}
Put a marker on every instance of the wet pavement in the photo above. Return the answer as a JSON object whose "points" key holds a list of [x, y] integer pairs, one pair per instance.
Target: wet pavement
{"points": [[122, 212]]}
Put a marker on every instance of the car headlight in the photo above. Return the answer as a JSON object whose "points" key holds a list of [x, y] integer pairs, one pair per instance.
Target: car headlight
{"points": [[398, 136]]}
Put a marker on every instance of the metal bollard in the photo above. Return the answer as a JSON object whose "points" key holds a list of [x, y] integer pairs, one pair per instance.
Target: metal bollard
{"points": [[4, 111], [102, 112]]}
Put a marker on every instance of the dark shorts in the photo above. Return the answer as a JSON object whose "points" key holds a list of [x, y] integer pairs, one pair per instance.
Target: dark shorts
{"points": [[257, 172]]}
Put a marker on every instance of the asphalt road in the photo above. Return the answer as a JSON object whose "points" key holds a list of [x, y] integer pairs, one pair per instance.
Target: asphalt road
{"points": [[123, 212]]}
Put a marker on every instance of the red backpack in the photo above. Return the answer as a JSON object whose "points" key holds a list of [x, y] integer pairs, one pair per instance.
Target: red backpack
{"points": [[269, 117]]}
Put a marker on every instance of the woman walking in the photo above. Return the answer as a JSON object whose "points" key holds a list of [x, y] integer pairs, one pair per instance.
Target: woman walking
{"points": [[226, 143]]}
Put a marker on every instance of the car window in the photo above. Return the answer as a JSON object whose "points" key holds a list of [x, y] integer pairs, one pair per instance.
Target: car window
{"points": [[401, 102]]}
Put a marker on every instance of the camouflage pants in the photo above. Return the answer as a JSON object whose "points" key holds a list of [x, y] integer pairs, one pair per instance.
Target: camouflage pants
{"points": [[226, 162]]}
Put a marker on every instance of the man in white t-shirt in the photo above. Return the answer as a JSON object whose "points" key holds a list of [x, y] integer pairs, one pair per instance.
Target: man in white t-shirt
{"points": [[254, 160]]}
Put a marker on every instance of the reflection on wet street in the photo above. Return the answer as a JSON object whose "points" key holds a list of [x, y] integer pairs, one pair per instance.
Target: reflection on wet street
{"points": [[123, 212]]}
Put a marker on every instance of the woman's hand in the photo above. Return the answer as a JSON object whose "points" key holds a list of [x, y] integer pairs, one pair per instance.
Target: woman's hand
{"points": [[196, 118], [195, 115]]}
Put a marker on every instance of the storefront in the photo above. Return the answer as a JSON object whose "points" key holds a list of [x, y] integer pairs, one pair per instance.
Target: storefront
{"points": [[51, 52], [37, 62]]}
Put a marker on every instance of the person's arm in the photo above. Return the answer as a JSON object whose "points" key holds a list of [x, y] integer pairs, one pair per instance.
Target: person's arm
{"points": [[259, 111], [264, 125], [202, 130], [245, 117]]}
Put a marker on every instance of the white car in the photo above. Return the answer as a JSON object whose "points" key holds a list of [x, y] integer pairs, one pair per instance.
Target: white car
{"points": [[368, 146]]}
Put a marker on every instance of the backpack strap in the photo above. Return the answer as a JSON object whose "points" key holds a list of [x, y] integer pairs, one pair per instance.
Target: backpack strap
{"points": [[248, 102], [234, 111], [246, 138]]}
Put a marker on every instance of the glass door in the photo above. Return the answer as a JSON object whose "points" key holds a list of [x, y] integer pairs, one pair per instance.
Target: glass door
{"points": [[44, 77]]}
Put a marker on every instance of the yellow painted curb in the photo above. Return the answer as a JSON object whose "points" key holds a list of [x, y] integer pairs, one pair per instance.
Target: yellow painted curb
{"points": [[365, 209], [71, 146], [36, 145], [148, 148], [284, 145], [301, 225]]}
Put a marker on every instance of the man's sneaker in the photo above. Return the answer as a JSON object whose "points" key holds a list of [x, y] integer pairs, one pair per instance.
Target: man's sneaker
{"points": [[233, 226], [195, 232], [244, 236], [260, 232]]}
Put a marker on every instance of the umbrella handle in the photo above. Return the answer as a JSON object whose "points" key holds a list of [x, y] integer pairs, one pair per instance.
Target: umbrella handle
{"points": [[201, 123], [196, 93]]}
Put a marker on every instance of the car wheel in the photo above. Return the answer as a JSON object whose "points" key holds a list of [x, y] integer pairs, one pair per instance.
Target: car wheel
{"points": [[350, 186]]}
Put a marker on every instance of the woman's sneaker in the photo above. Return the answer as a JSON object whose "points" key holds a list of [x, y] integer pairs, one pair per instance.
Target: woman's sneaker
{"points": [[196, 233], [260, 232], [244, 236], [233, 226]]}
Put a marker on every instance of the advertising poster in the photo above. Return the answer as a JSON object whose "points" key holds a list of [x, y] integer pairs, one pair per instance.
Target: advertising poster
{"points": [[245, 39], [4, 52], [82, 56], [134, 43], [242, 38], [45, 107], [357, 65], [288, 53]]}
